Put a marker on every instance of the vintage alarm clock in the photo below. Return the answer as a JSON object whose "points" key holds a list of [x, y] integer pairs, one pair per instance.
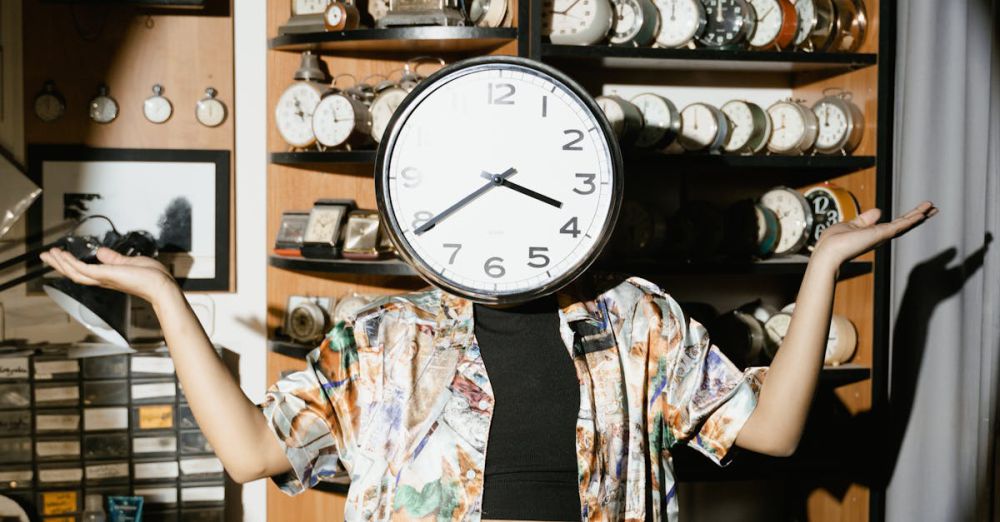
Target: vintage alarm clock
{"points": [[296, 105], [795, 216], [751, 127], [740, 336], [681, 22], [703, 128], [324, 228], [841, 341], [363, 235], [830, 205], [730, 23], [307, 319], [794, 128], [291, 232], [549, 223], [624, 117], [777, 23], [210, 111], [817, 19], [103, 108], [572, 22], [661, 121], [49, 104], [851, 26], [306, 17], [752, 230], [489, 13], [840, 124], [636, 23], [342, 119], [341, 16], [157, 108], [388, 96]]}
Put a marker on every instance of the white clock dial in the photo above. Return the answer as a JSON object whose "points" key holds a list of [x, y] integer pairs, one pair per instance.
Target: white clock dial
{"points": [[49, 107], [383, 107], [337, 118], [833, 125], [304, 7], [794, 129], [701, 127], [795, 215], [209, 111], [768, 22], [499, 181], [614, 112], [806, 11], [293, 114], [156, 108], [680, 22], [661, 121], [743, 126], [629, 19], [577, 22], [103, 109]]}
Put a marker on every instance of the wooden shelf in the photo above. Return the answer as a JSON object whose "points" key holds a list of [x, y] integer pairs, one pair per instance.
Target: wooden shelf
{"points": [[388, 267], [778, 266], [708, 59], [421, 39]]}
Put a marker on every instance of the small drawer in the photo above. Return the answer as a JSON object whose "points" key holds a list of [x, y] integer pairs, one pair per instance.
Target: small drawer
{"points": [[201, 468], [105, 445], [59, 502], [194, 442], [157, 494], [211, 514], [15, 395], [187, 420], [151, 366], [15, 368], [150, 417], [105, 393], [15, 449], [145, 392], [15, 422], [155, 471], [203, 494], [55, 368], [105, 367], [61, 474], [56, 421], [57, 448], [57, 394], [105, 419], [106, 472], [17, 477], [161, 445]]}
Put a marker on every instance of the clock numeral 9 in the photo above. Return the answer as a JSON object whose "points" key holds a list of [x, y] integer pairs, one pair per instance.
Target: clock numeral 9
{"points": [[493, 268], [411, 177], [421, 217], [501, 98], [572, 145], [571, 227], [457, 247], [538, 253], [588, 182]]}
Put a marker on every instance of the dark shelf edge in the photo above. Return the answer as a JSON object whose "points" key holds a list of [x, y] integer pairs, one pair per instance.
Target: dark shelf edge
{"points": [[389, 267], [747, 58], [321, 158], [293, 42]]}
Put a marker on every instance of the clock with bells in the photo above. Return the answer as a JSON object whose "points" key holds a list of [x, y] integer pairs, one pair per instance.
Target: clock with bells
{"points": [[509, 218]]}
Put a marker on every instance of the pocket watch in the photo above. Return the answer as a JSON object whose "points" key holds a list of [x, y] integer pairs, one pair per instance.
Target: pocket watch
{"points": [[841, 124], [703, 128], [362, 237], [794, 128], [340, 16], [157, 108], [50, 104], [795, 216], [625, 118], [852, 26], [290, 233], [636, 23], [681, 21], [294, 112], [751, 127], [830, 205], [210, 111], [777, 23], [388, 96], [488, 13], [342, 119], [577, 22], [661, 121], [103, 108], [323, 230], [730, 23]]}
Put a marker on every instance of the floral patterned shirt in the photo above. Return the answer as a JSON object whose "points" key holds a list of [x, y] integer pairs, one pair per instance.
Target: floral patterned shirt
{"points": [[400, 396]]}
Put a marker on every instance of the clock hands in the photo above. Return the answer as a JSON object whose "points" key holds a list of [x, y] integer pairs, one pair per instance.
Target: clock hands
{"points": [[718, 11], [495, 181], [523, 190]]}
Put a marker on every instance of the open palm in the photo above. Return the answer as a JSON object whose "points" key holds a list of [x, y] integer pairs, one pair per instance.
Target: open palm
{"points": [[140, 276], [845, 241]]}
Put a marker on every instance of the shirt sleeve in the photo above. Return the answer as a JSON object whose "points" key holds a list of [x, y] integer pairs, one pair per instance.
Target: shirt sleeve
{"points": [[308, 410], [706, 399]]}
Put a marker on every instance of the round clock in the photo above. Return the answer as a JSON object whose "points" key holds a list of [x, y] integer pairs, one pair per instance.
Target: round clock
{"points": [[681, 21], [488, 13], [209, 111], [296, 105], [841, 341], [661, 121], [768, 231], [388, 96], [795, 215], [830, 205], [306, 7], [816, 24], [730, 23], [340, 16], [841, 125], [157, 108], [577, 22], [751, 126], [636, 23], [378, 9], [703, 128], [341, 119], [795, 128], [777, 23], [49, 103], [103, 108], [499, 224], [852, 26], [625, 119], [349, 305]]}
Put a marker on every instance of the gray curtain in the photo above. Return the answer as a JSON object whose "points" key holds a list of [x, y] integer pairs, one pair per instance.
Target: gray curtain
{"points": [[946, 275]]}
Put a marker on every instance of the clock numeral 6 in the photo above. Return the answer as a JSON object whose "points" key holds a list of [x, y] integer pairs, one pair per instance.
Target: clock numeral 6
{"points": [[421, 217], [572, 145], [538, 253], [457, 247], [571, 227], [588, 182], [411, 177], [498, 97], [493, 268]]}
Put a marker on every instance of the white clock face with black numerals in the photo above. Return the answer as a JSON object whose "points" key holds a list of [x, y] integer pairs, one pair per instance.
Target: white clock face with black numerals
{"points": [[498, 179]]}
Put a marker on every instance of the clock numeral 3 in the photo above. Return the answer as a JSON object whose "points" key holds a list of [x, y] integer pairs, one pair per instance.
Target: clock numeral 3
{"points": [[572, 145], [588, 182], [411, 177], [498, 97], [571, 227], [493, 268], [538, 253], [421, 217], [457, 247]]}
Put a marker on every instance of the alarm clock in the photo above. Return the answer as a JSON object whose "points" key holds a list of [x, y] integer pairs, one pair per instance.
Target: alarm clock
{"points": [[103, 108], [661, 121], [157, 108], [340, 16], [322, 238], [209, 111], [752, 230], [636, 23], [489, 13], [572, 22], [349, 305], [795, 216], [841, 341], [362, 237], [552, 190], [730, 24], [703, 128], [777, 23], [681, 22], [49, 104], [342, 119], [624, 117], [794, 128], [840, 125], [388, 96], [751, 127], [851, 26], [306, 17], [830, 205], [291, 231], [307, 318], [293, 114]]}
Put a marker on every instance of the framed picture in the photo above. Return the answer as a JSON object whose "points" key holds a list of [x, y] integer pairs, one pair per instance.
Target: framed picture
{"points": [[181, 197]]}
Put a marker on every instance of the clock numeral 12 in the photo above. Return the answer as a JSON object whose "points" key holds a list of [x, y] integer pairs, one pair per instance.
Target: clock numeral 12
{"points": [[497, 98], [571, 227], [493, 268], [538, 253]]}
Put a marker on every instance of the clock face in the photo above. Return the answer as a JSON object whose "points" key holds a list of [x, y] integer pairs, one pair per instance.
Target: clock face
{"points": [[807, 20], [334, 15], [103, 109], [499, 179], [769, 21], [210, 112], [727, 22], [304, 7], [680, 22], [834, 126], [792, 132], [324, 224], [741, 117], [383, 107], [795, 216], [48, 107], [293, 114], [334, 120], [628, 21], [661, 121], [700, 127], [157, 109], [614, 112], [577, 22]]}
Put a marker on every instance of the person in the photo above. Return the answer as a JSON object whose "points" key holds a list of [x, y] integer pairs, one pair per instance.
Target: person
{"points": [[400, 394]]}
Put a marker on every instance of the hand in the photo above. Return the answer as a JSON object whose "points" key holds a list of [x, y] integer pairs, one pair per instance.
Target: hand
{"points": [[524, 190], [140, 276], [845, 241], [495, 180]]}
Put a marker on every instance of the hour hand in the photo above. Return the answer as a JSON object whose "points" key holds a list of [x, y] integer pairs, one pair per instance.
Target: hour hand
{"points": [[524, 190]]}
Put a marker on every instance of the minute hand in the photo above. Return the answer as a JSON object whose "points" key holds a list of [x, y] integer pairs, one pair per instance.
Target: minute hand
{"points": [[495, 180]]}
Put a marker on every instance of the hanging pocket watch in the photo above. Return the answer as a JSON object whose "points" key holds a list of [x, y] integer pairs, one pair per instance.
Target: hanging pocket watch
{"points": [[751, 127], [50, 104], [840, 122], [103, 108], [157, 108], [794, 128], [210, 111], [703, 128], [636, 23], [341, 118], [681, 22]]}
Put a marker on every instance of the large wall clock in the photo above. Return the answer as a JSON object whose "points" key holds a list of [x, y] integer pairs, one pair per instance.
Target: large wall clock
{"points": [[499, 179]]}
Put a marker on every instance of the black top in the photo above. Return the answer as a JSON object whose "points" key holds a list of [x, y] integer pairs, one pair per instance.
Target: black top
{"points": [[531, 471]]}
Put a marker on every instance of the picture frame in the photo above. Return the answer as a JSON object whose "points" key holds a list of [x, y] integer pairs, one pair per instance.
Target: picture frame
{"points": [[182, 197]]}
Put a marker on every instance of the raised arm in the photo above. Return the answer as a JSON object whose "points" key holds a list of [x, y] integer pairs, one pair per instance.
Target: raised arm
{"points": [[776, 424], [233, 425]]}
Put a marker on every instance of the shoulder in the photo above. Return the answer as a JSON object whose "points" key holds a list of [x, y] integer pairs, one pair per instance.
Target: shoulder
{"points": [[643, 301]]}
